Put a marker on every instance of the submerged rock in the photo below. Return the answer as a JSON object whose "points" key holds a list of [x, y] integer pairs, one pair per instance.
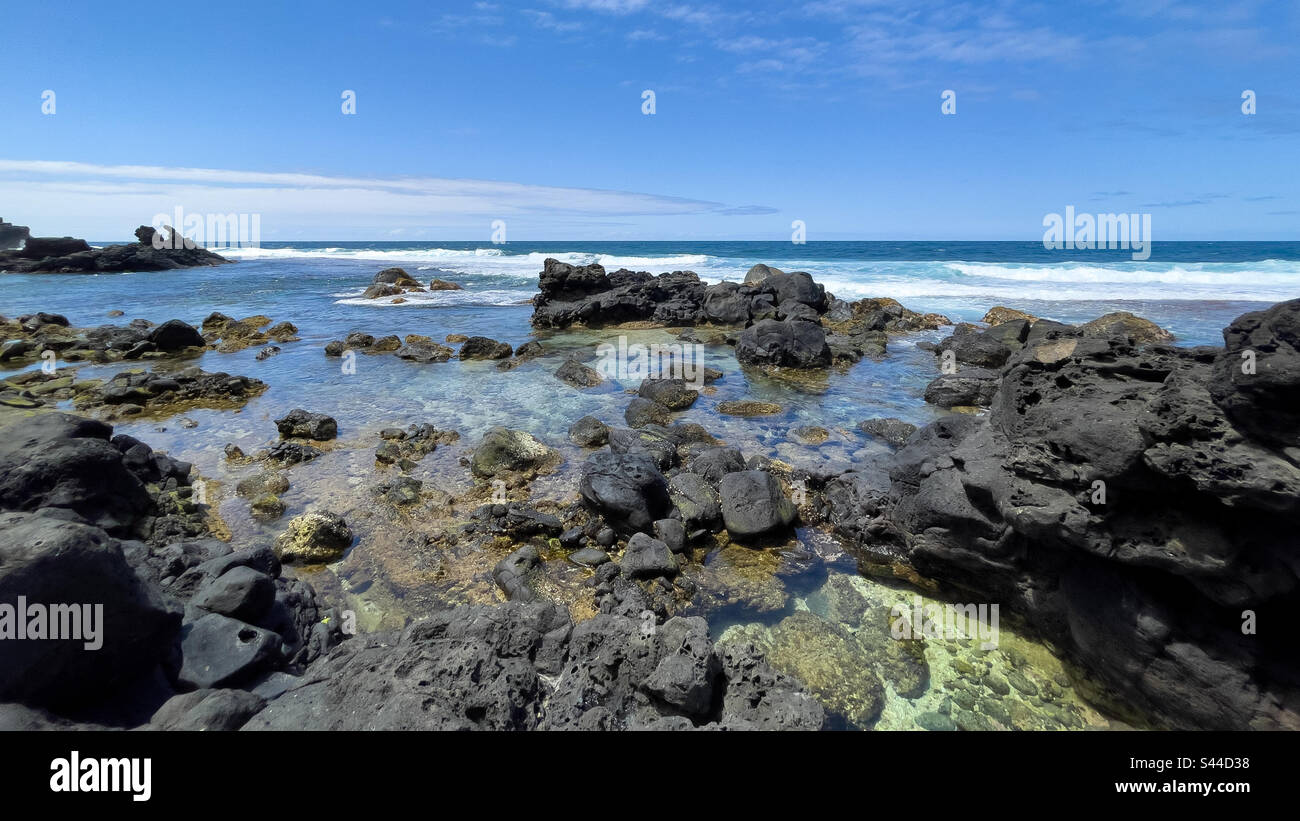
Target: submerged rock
{"points": [[503, 451], [753, 504], [671, 393], [578, 375], [314, 538], [831, 663], [748, 407], [891, 430], [301, 424], [480, 347], [641, 412], [589, 432]]}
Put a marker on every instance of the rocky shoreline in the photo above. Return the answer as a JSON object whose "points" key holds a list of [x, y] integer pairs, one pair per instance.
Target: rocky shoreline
{"points": [[1139, 582], [68, 255]]}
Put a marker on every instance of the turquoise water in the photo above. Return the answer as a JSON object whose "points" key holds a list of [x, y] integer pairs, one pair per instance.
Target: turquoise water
{"points": [[1191, 289]]}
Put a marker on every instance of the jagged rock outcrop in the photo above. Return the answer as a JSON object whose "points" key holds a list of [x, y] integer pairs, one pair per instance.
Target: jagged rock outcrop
{"points": [[110, 528], [522, 666], [1136, 502], [972, 355], [12, 237], [790, 319]]}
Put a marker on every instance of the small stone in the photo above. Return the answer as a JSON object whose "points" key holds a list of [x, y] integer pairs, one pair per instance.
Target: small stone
{"points": [[589, 556], [268, 507], [936, 722], [314, 538], [1022, 683], [672, 533], [748, 408], [646, 558], [997, 684]]}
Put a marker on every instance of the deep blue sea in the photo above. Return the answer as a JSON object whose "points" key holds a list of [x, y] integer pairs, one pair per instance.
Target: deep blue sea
{"points": [[961, 279]]}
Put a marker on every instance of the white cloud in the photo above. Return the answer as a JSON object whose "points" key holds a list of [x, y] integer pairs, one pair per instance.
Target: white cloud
{"points": [[608, 6], [546, 20], [101, 201]]}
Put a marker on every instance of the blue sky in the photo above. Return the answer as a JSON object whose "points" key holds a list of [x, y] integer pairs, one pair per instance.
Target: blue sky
{"points": [[766, 112]]}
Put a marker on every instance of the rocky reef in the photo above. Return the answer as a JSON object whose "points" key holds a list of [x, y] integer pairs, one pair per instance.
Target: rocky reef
{"points": [[1127, 501], [787, 318], [394, 282], [67, 255], [197, 634], [12, 237], [89, 517], [1133, 501]]}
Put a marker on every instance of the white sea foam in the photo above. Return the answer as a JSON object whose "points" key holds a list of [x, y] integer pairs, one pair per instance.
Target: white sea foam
{"points": [[438, 299], [477, 260], [1266, 272], [1268, 280]]}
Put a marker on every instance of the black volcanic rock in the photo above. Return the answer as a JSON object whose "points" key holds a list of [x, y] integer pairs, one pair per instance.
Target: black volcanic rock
{"points": [[1257, 380], [42, 247], [784, 343], [60, 461], [13, 236], [522, 666], [818, 328], [1132, 501], [66, 255], [48, 561], [626, 488], [586, 295], [174, 335]]}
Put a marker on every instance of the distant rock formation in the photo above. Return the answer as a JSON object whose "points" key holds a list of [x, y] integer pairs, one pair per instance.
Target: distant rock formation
{"points": [[12, 236], [67, 255]]}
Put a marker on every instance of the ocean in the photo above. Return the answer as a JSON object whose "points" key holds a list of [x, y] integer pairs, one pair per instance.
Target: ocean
{"points": [[1192, 289]]}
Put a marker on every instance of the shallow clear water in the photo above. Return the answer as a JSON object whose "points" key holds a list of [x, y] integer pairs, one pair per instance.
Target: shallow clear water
{"points": [[392, 576]]}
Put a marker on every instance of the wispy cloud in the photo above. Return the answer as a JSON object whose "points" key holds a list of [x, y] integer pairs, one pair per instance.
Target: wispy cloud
{"points": [[128, 195], [638, 35], [748, 211], [546, 20], [608, 6]]}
